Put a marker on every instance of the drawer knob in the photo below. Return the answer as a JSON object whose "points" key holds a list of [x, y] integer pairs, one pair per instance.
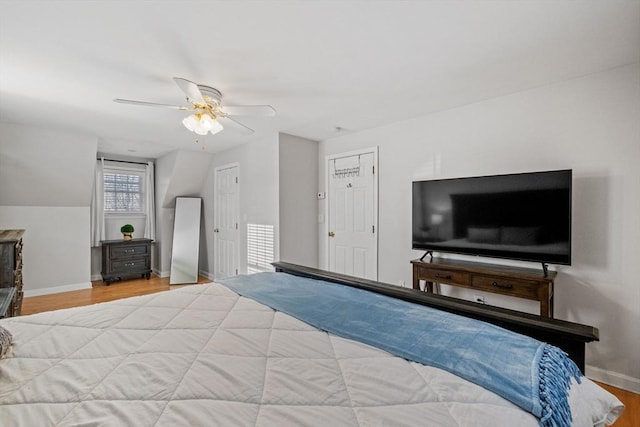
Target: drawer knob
{"points": [[503, 285], [443, 276]]}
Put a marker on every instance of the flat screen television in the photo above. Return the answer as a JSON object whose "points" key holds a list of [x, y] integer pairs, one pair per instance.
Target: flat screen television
{"points": [[525, 216]]}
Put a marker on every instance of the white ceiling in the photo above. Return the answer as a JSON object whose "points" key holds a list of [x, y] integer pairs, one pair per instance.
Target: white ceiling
{"points": [[320, 64]]}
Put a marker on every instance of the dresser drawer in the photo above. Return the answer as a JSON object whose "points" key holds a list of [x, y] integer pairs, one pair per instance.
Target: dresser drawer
{"points": [[126, 251], [129, 265], [444, 276], [507, 286]]}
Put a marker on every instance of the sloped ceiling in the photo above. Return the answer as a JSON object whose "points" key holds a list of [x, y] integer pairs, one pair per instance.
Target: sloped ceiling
{"points": [[323, 64], [181, 173], [45, 168]]}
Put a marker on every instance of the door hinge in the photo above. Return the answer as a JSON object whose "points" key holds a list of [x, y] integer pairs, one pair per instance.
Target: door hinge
{"points": [[236, 179], [373, 169], [373, 229], [236, 225], [236, 271]]}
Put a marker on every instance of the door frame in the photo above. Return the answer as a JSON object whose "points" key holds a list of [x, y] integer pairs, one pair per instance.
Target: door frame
{"points": [[329, 158], [215, 175]]}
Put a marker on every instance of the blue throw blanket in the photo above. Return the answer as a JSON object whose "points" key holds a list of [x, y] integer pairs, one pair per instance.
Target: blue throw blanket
{"points": [[533, 375]]}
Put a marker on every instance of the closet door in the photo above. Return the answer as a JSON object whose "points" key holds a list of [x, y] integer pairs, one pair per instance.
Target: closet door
{"points": [[352, 206], [226, 238]]}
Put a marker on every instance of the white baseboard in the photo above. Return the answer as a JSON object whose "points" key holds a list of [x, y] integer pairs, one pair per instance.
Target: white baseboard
{"points": [[206, 274], [56, 289], [161, 274], [615, 379]]}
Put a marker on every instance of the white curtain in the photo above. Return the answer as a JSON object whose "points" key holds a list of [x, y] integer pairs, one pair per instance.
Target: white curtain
{"points": [[150, 222], [97, 205]]}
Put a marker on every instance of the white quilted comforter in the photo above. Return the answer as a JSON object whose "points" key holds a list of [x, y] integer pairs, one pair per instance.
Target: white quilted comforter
{"points": [[203, 356]]}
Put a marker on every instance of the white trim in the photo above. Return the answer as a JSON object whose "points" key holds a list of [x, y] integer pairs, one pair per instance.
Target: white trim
{"points": [[161, 274], [615, 379], [206, 274], [333, 156], [57, 289]]}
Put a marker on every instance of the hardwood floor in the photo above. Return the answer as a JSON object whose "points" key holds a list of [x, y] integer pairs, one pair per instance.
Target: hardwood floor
{"points": [[102, 293], [99, 293], [631, 415]]}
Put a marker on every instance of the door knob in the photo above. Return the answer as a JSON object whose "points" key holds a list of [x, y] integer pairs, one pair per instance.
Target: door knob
{"points": [[332, 234]]}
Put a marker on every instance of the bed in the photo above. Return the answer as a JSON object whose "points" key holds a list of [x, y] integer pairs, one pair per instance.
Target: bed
{"points": [[216, 354]]}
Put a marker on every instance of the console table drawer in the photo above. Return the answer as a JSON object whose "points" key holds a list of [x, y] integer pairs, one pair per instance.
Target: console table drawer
{"points": [[127, 251], [435, 275], [514, 287], [130, 265]]}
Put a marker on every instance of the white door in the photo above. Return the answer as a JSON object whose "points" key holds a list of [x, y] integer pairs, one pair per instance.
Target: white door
{"points": [[352, 225], [226, 237]]}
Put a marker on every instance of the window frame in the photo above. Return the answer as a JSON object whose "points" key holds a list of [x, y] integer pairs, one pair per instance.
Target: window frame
{"points": [[125, 170]]}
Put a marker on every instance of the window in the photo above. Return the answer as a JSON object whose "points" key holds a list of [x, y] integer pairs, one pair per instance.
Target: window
{"points": [[123, 191], [259, 248]]}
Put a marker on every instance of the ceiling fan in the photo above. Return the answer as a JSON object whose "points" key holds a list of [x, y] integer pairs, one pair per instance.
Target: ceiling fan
{"points": [[209, 116]]}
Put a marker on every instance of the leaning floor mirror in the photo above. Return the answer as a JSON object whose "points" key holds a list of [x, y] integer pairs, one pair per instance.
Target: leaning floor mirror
{"points": [[186, 241]]}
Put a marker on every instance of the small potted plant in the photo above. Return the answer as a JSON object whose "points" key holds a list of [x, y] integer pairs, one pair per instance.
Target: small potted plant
{"points": [[126, 231]]}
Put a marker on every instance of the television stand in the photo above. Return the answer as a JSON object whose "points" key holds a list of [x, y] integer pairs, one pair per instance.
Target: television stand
{"points": [[531, 284]]}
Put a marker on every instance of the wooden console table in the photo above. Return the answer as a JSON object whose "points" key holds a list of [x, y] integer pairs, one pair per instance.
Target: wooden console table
{"points": [[512, 281], [122, 258]]}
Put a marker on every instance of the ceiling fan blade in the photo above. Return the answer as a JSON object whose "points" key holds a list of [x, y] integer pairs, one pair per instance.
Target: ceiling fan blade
{"points": [[230, 123], [250, 110], [190, 89], [150, 104]]}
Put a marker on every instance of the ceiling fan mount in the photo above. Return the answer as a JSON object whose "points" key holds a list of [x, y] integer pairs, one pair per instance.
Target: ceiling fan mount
{"points": [[208, 113], [211, 95]]}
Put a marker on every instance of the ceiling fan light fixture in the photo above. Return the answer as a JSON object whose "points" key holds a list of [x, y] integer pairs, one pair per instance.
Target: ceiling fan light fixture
{"points": [[215, 127], [191, 122], [202, 123], [206, 122]]}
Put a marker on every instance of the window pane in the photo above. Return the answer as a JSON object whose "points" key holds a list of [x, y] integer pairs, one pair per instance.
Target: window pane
{"points": [[123, 192]]}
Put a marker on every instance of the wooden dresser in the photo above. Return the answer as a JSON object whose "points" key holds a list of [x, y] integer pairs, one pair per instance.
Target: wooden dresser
{"points": [[122, 258], [11, 268], [516, 282]]}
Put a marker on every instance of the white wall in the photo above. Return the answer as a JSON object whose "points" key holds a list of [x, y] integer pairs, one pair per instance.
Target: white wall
{"points": [[56, 256], [179, 173], [298, 181], [258, 167], [590, 125], [46, 181]]}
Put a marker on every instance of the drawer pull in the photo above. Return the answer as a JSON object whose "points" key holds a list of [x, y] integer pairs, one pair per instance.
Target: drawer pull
{"points": [[129, 251], [443, 276], [503, 285]]}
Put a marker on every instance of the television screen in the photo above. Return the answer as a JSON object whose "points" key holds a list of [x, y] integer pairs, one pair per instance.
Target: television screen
{"points": [[523, 216]]}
